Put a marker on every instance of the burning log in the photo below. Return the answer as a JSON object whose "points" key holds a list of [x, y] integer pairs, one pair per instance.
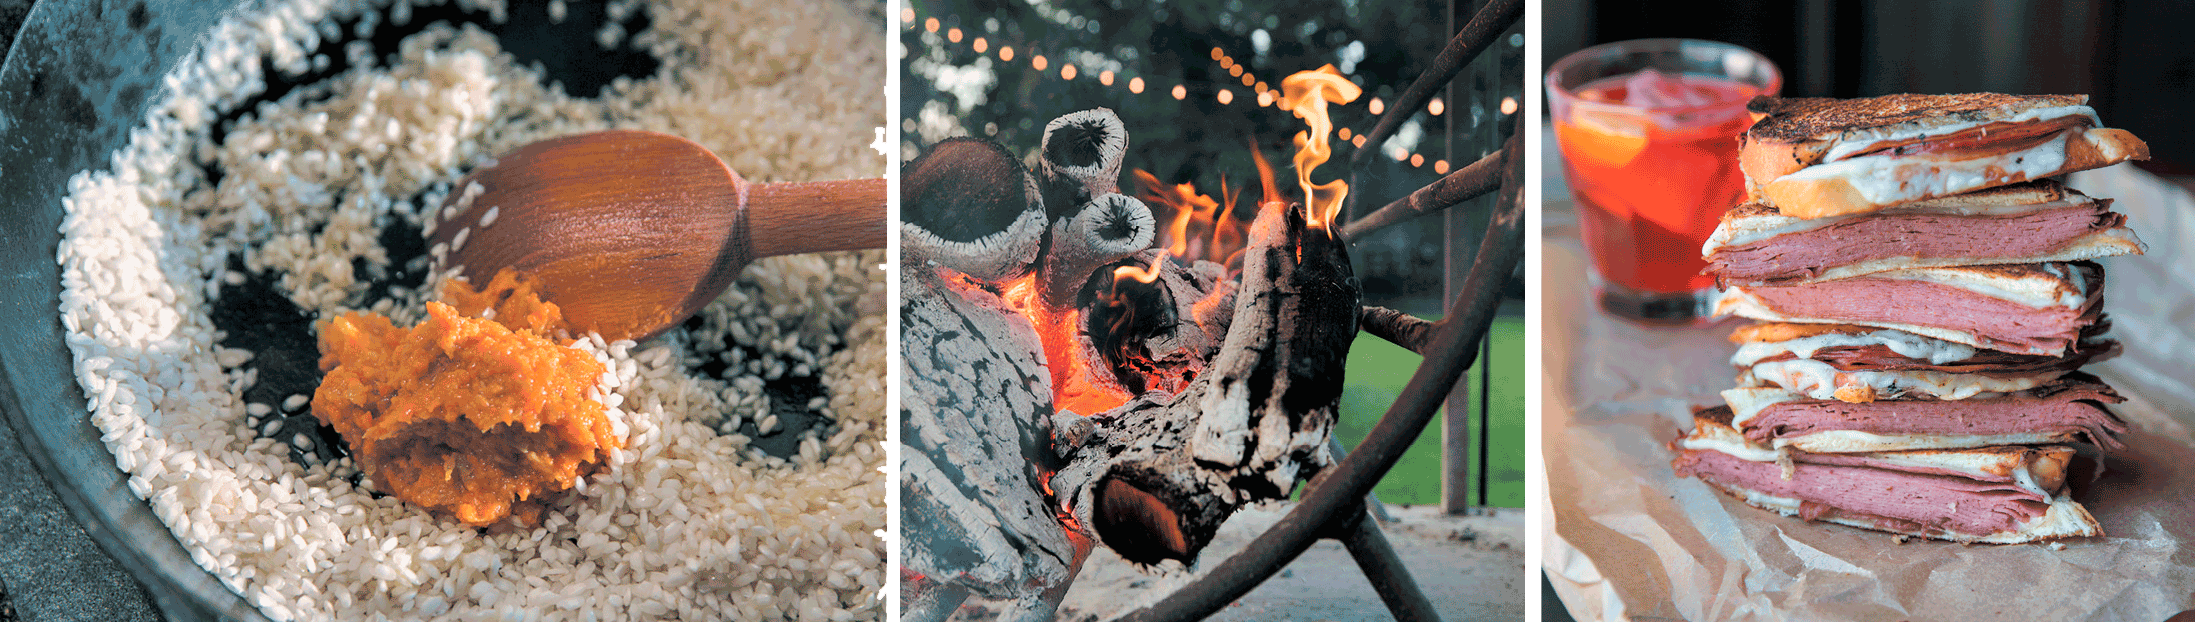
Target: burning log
{"points": [[1156, 327], [1081, 159], [976, 405], [1215, 390], [970, 206], [1109, 228], [1161, 473]]}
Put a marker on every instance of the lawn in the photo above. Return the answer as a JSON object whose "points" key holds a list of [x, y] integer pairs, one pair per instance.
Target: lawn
{"points": [[1378, 369]]}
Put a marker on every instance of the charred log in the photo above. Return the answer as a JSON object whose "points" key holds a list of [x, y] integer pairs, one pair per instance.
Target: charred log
{"points": [[1107, 229], [1156, 331], [977, 446], [1080, 160], [970, 206], [1160, 474]]}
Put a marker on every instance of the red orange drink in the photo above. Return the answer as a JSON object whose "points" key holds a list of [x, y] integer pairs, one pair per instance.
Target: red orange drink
{"points": [[1648, 132]]}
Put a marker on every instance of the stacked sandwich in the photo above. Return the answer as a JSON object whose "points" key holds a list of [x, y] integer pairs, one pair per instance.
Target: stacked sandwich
{"points": [[1925, 301]]}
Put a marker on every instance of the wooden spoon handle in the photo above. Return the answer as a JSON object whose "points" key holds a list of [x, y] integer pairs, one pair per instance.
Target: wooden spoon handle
{"points": [[790, 218]]}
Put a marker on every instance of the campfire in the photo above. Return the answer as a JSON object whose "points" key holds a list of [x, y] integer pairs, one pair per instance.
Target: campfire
{"points": [[1081, 374]]}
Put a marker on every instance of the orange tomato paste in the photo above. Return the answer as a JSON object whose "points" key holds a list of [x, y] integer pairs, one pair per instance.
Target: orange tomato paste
{"points": [[461, 414]]}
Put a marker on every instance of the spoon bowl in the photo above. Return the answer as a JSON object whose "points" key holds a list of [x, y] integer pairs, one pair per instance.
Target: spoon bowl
{"points": [[631, 232]]}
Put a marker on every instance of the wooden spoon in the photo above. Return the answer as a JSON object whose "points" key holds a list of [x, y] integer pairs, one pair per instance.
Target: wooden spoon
{"points": [[631, 232]]}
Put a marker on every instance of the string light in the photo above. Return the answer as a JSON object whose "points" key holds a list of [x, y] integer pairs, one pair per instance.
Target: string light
{"points": [[1266, 95], [1509, 105]]}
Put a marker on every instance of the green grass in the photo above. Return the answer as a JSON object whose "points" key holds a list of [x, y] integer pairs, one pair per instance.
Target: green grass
{"points": [[1376, 372]]}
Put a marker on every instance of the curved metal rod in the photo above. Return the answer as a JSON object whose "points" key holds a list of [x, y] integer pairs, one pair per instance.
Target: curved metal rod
{"points": [[1396, 327], [1467, 183], [1384, 569], [1466, 322], [1484, 28]]}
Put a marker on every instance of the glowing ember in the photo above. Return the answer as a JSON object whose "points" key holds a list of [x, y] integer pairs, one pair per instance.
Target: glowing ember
{"points": [[1072, 388], [1307, 93]]}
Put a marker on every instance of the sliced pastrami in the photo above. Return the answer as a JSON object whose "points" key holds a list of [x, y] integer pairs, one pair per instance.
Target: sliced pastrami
{"points": [[2009, 238], [2072, 405], [1955, 504], [1994, 322]]}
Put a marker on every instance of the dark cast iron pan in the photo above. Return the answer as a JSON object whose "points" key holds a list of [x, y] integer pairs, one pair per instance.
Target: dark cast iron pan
{"points": [[78, 77], [76, 80]]}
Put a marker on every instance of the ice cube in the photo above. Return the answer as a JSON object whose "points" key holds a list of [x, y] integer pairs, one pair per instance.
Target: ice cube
{"points": [[1654, 89]]}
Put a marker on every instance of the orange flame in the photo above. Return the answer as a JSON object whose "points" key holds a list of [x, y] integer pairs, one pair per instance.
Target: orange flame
{"points": [[1306, 94], [1188, 207], [1142, 275], [1199, 227]]}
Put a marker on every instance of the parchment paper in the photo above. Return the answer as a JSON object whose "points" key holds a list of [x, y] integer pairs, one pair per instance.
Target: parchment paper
{"points": [[1626, 539]]}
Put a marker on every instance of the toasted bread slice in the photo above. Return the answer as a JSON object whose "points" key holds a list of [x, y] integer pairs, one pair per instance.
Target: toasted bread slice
{"points": [[1813, 158], [1811, 126], [1859, 364], [1823, 381]]}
